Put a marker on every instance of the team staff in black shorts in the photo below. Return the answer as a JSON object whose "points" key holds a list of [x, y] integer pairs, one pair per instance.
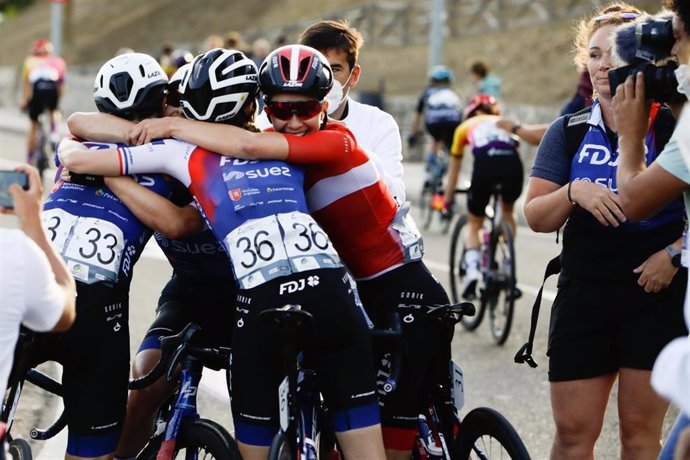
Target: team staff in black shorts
{"points": [[613, 312], [496, 161]]}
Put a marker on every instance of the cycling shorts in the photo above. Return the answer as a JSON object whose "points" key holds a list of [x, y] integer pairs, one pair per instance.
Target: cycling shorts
{"points": [[95, 358], [408, 290], [443, 131], [336, 345], [44, 96], [208, 303], [490, 171], [598, 327]]}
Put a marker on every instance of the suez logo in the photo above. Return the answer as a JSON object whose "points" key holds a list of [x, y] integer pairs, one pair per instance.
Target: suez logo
{"points": [[251, 173]]}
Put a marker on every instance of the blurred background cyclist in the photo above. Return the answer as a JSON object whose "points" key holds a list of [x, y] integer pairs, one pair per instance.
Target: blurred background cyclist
{"points": [[43, 78]]}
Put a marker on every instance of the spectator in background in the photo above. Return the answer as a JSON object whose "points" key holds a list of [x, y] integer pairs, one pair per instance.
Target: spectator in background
{"points": [[234, 41], [582, 97], [486, 82], [165, 59], [36, 287], [211, 42], [260, 49]]}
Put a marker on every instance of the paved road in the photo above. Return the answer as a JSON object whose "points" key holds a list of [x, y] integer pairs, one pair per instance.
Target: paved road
{"points": [[492, 379]]}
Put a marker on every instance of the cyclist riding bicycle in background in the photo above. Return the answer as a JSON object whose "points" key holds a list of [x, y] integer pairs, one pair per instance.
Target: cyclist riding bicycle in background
{"points": [[496, 161], [43, 77], [441, 108]]}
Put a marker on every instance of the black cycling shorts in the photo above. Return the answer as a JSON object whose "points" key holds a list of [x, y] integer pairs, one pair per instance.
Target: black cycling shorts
{"points": [[426, 342], [44, 96], [443, 132], [208, 303], [599, 327], [95, 358], [505, 170], [336, 344]]}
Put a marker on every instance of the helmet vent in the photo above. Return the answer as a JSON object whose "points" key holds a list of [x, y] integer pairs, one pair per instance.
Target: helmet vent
{"points": [[303, 67], [141, 70], [121, 86]]}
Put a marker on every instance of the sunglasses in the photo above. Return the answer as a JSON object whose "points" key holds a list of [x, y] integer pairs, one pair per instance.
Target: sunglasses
{"points": [[284, 110], [626, 16]]}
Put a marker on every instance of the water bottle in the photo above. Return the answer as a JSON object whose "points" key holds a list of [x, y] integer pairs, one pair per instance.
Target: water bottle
{"points": [[485, 248]]}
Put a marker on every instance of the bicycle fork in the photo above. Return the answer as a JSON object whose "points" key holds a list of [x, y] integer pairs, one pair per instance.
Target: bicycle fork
{"points": [[185, 405]]}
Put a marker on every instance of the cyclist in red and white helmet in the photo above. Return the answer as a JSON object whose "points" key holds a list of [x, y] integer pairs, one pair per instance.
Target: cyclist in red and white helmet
{"points": [[496, 161], [43, 77], [343, 186]]}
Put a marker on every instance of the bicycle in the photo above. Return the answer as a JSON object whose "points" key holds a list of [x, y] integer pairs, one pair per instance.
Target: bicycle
{"points": [[304, 431], [483, 433], [431, 197], [32, 349], [498, 286], [180, 432], [45, 143]]}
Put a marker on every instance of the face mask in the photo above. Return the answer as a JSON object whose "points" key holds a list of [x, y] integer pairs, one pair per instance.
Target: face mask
{"points": [[336, 96], [683, 76]]}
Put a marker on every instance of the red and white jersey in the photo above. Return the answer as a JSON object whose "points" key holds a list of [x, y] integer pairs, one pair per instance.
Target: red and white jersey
{"points": [[349, 199]]}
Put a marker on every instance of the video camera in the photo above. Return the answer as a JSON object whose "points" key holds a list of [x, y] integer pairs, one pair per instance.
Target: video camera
{"points": [[641, 44]]}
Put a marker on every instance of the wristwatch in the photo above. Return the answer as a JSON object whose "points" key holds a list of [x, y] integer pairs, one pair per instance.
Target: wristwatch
{"points": [[674, 254], [515, 128]]}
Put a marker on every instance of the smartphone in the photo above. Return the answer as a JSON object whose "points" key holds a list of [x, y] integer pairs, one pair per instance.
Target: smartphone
{"points": [[8, 178]]}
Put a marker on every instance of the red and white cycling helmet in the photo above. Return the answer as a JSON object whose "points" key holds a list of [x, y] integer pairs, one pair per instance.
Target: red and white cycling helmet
{"points": [[131, 85], [484, 102], [41, 47], [219, 84], [296, 69]]}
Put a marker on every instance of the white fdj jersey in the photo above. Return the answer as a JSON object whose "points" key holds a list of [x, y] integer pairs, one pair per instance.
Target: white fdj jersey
{"points": [[257, 209]]}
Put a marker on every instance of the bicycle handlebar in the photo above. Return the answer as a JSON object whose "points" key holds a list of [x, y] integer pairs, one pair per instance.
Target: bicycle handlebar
{"points": [[174, 348], [52, 430]]}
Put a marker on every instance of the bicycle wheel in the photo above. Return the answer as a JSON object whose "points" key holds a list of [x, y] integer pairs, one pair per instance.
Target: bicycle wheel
{"points": [[205, 438], [279, 448], [425, 211], [20, 450], [486, 434], [500, 287], [457, 251]]}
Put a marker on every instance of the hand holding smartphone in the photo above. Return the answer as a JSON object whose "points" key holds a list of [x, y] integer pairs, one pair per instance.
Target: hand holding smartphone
{"points": [[8, 178]]}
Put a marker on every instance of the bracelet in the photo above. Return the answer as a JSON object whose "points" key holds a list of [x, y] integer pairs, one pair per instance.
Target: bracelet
{"points": [[570, 198], [515, 128]]}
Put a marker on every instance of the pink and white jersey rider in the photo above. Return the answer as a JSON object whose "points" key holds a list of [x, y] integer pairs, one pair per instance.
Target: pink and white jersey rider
{"points": [[350, 200], [50, 68]]}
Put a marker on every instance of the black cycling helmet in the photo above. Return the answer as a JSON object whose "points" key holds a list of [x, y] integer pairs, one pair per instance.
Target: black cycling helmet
{"points": [[296, 69], [218, 86], [130, 86]]}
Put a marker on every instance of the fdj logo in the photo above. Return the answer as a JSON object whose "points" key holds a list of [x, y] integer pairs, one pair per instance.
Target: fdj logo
{"points": [[298, 285], [596, 155]]}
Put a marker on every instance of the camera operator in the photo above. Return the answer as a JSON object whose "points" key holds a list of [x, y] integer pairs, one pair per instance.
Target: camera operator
{"points": [[645, 190], [36, 287]]}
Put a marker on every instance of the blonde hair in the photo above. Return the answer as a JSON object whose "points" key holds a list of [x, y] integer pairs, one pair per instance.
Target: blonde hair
{"points": [[586, 27]]}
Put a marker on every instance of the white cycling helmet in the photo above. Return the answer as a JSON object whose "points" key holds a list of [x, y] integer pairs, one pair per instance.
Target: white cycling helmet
{"points": [[131, 85], [219, 85]]}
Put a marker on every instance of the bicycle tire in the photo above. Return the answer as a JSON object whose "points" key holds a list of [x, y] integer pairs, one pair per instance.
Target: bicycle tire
{"points": [[279, 449], [425, 211], [20, 449], [201, 435], [485, 430], [470, 323], [501, 301]]}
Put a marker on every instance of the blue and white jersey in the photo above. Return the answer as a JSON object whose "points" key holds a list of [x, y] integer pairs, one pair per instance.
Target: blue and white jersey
{"points": [[597, 161], [441, 105], [257, 209], [99, 238]]}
